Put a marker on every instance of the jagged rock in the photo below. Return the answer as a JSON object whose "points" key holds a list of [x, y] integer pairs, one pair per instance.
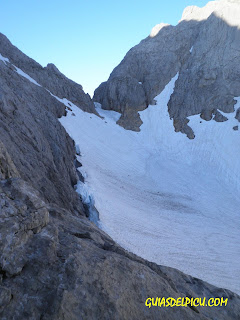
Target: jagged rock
{"points": [[204, 84], [5, 297], [19, 222], [130, 120], [238, 114], [152, 63], [7, 167], [206, 115], [219, 117], [182, 126], [203, 48], [32, 140], [49, 77]]}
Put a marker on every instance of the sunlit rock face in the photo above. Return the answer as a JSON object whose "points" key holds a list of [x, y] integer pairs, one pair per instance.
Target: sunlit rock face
{"points": [[155, 30], [203, 48]]}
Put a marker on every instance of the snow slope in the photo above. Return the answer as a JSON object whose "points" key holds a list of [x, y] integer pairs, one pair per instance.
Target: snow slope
{"points": [[162, 196], [169, 199], [23, 74], [19, 71], [3, 59]]}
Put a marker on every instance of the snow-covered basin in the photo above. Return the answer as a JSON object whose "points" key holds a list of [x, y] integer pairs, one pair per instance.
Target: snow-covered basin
{"points": [[164, 197]]}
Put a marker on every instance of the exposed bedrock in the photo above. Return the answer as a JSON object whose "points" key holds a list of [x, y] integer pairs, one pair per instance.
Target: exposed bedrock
{"points": [[55, 265], [203, 48], [49, 77], [32, 140]]}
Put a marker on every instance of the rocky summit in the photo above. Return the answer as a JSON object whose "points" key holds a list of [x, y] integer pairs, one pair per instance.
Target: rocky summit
{"points": [[203, 49], [55, 264]]}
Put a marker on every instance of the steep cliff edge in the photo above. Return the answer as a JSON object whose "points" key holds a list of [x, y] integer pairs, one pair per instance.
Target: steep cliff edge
{"points": [[49, 77], [54, 263], [203, 48], [36, 142]]}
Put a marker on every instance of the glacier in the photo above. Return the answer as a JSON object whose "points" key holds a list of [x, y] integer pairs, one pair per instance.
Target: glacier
{"points": [[166, 198]]}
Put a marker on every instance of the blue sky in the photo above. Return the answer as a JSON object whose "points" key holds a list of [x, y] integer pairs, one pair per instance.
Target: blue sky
{"points": [[84, 39]]}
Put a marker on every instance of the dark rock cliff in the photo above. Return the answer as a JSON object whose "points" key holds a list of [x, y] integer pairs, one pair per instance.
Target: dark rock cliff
{"points": [[36, 142], [49, 77], [203, 48]]}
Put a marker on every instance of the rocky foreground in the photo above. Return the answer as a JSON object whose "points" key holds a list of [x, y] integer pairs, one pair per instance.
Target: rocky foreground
{"points": [[54, 263]]}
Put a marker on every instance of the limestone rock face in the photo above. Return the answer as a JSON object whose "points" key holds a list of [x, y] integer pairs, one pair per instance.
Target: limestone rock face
{"points": [[23, 215], [49, 77], [7, 167], [55, 265], [203, 48], [145, 71], [32, 141]]}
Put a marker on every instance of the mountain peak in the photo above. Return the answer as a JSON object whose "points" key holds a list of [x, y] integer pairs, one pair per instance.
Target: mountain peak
{"points": [[229, 9]]}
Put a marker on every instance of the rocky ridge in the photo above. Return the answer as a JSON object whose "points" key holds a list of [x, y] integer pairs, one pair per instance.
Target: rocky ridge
{"points": [[49, 77], [203, 48]]}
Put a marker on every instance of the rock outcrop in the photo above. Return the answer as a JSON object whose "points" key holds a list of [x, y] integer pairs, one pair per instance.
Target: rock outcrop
{"points": [[203, 48], [33, 139], [49, 77], [55, 263]]}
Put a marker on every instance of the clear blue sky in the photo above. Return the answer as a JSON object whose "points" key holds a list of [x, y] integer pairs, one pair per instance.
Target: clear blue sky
{"points": [[84, 39]]}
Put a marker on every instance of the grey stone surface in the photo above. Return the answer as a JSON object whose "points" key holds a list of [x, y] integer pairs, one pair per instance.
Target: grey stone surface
{"points": [[153, 63], [49, 77], [209, 79], [7, 167], [33, 140], [55, 265], [238, 114], [203, 48]]}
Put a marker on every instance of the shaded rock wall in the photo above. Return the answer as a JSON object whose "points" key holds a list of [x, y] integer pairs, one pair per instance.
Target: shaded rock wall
{"points": [[34, 140], [203, 48], [49, 77]]}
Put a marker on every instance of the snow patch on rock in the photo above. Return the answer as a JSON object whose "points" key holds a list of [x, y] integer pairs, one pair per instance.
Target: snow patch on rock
{"points": [[23, 74], [4, 59], [155, 30]]}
